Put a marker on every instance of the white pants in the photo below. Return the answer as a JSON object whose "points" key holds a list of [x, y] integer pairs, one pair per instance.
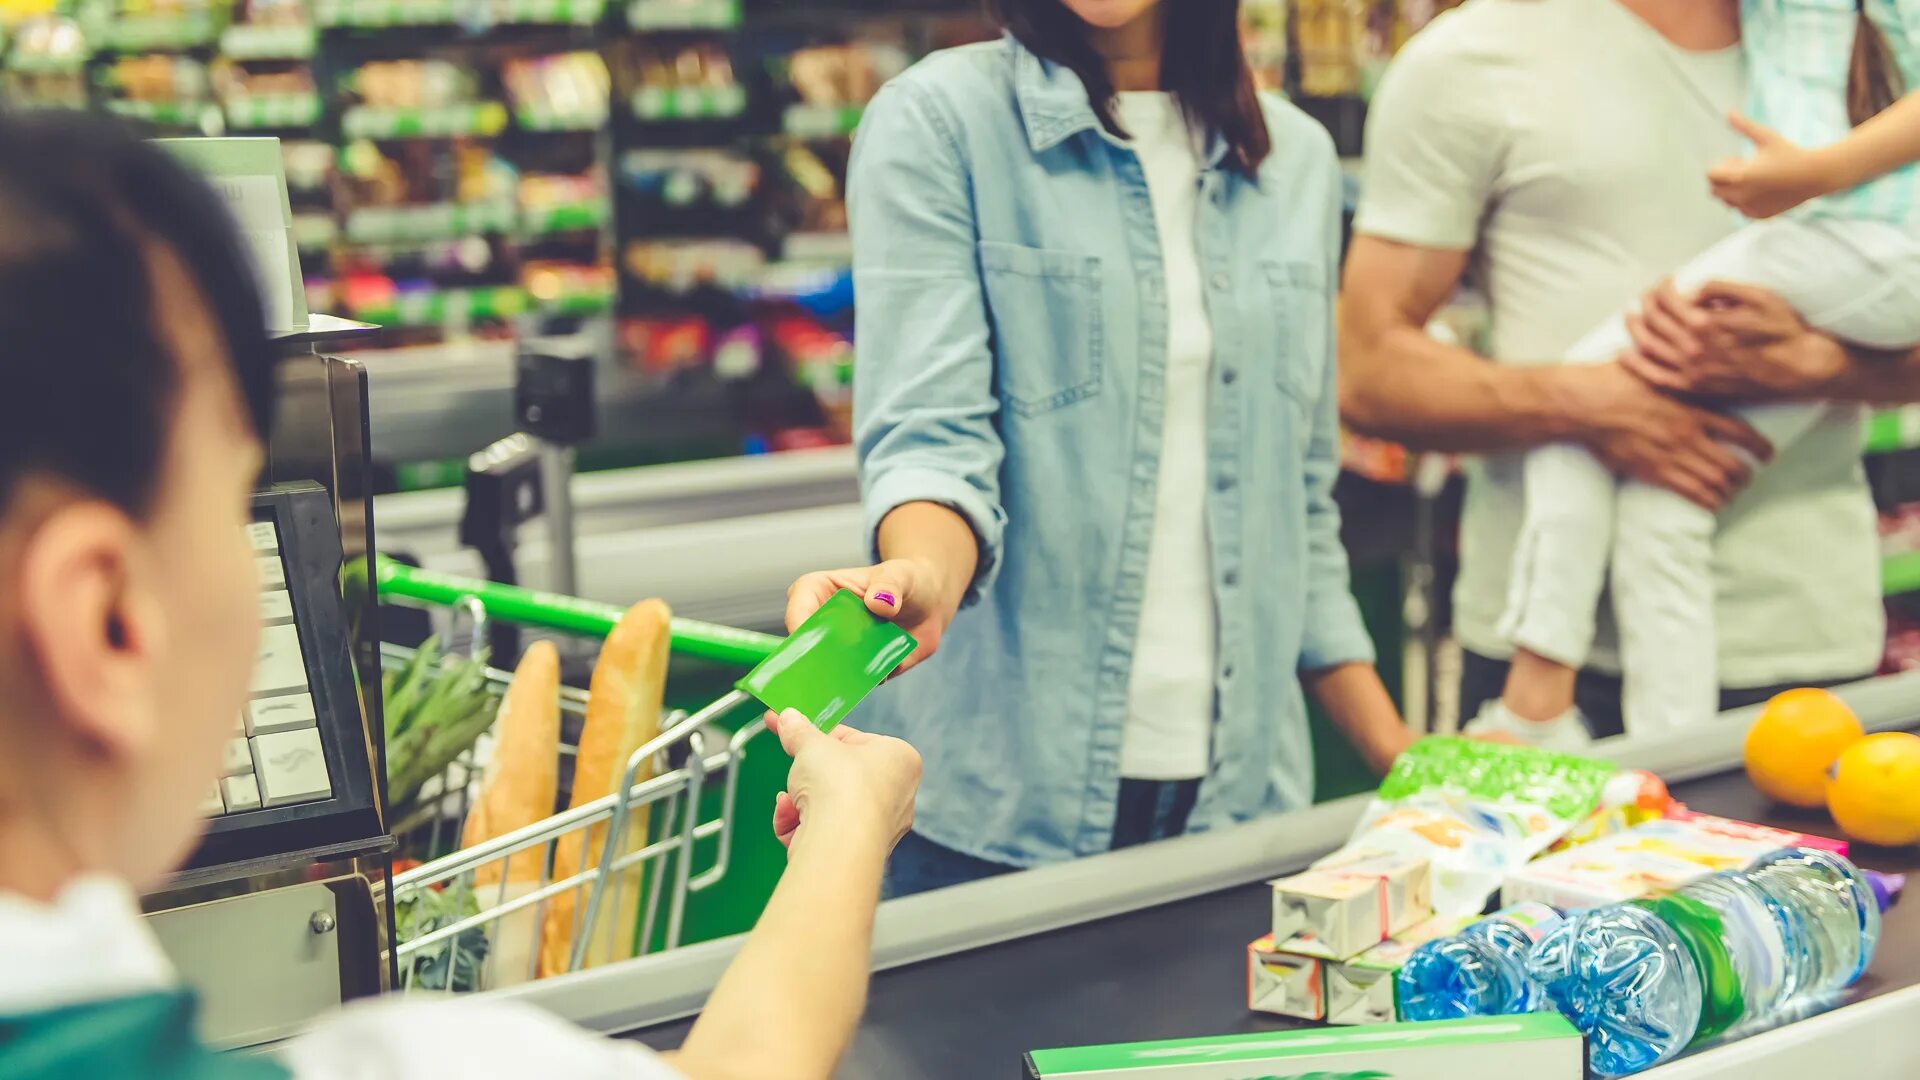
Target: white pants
{"points": [[1856, 280]]}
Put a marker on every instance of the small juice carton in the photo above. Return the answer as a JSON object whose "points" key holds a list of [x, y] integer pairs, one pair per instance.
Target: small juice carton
{"points": [[1285, 983], [1336, 912]]}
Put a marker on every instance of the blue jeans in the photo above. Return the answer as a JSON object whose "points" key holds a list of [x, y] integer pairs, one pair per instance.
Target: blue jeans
{"points": [[1147, 810]]}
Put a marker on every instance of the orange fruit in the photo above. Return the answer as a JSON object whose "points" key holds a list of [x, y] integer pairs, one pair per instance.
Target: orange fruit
{"points": [[1875, 793], [1793, 744]]}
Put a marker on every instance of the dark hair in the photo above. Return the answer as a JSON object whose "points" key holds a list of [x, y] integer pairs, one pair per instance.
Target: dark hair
{"points": [[88, 391], [1201, 63], [1873, 82]]}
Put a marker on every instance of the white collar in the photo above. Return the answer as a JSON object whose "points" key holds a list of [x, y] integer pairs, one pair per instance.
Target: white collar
{"points": [[91, 943]]}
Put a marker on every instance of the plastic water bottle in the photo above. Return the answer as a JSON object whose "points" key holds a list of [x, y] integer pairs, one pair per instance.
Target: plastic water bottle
{"points": [[1828, 912], [1481, 971], [1646, 979]]}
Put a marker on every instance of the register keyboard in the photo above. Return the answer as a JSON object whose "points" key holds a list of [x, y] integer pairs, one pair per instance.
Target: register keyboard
{"points": [[297, 769]]}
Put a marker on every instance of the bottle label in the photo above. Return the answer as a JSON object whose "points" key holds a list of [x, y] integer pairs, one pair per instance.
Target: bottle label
{"points": [[1532, 918]]}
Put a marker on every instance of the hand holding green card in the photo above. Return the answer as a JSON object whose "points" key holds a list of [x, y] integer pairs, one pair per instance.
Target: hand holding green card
{"points": [[831, 663]]}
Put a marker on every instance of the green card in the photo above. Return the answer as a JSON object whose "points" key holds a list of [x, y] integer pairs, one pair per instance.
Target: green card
{"points": [[831, 663]]}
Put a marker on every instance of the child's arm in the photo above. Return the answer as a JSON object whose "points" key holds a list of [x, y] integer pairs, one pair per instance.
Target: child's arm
{"points": [[1781, 175]]}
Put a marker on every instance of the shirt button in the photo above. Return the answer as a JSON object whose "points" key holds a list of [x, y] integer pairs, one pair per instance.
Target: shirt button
{"points": [[1230, 578], [1227, 672], [1221, 282], [1224, 483], [1228, 376]]}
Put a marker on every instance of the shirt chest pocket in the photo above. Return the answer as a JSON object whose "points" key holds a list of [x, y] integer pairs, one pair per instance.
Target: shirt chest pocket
{"points": [[1303, 340], [1049, 337]]}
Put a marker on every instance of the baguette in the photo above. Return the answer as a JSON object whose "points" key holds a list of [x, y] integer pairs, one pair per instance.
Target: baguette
{"points": [[624, 701], [518, 788]]}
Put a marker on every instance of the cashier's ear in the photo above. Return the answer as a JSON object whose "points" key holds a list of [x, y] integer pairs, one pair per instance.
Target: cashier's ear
{"points": [[91, 625]]}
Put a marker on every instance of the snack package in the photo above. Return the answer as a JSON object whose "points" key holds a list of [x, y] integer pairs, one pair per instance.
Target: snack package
{"points": [[1283, 983], [1476, 812], [1653, 857], [1632, 797]]}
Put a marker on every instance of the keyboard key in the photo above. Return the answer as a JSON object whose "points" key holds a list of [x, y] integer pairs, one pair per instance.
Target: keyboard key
{"points": [[211, 804], [263, 536], [285, 713], [276, 605], [278, 665], [272, 574], [291, 767], [241, 792], [239, 758]]}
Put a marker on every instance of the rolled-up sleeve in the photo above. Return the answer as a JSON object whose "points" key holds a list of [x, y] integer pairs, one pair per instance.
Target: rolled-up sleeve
{"points": [[924, 401], [1334, 632]]}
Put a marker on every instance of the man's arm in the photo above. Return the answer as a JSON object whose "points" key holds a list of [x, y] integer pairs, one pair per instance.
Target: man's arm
{"points": [[1397, 382]]}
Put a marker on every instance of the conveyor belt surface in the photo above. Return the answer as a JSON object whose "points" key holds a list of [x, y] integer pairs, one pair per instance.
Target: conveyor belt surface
{"points": [[1179, 970]]}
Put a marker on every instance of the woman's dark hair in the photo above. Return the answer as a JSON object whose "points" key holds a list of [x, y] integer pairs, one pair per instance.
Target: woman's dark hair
{"points": [[1201, 63], [1873, 82], [88, 389]]}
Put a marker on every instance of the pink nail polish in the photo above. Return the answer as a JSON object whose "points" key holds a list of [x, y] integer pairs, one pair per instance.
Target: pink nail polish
{"points": [[885, 598]]}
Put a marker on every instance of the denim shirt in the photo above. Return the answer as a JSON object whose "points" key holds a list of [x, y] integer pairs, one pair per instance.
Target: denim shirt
{"points": [[1011, 364]]}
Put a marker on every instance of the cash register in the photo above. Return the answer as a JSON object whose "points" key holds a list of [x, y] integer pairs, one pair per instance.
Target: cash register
{"points": [[297, 775]]}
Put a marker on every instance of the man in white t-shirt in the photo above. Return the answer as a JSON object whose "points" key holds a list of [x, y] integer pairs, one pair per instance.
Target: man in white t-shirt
{"points": [[1556, 151], [140, 386]]}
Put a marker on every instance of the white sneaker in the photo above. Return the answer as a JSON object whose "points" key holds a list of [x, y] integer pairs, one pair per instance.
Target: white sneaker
{"points": [[1566, 733]]}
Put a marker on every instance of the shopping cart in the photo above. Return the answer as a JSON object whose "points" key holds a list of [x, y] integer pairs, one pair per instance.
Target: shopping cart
{"points": [[445, 951]]}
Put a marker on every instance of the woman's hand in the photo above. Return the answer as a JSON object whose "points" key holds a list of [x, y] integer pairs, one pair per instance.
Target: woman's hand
{"points": [[907, 591], [847, 778], [1778, 177]]}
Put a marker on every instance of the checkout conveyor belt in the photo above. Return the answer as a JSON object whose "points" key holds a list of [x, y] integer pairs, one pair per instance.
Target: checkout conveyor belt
{"points": [[974, 977]]}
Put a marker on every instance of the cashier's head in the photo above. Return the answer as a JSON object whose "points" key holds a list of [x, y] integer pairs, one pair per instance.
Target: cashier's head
{"points": [[135, 380]]}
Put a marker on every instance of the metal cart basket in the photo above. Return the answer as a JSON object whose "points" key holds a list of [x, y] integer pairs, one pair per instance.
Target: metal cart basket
{"points": [[689, 756]]}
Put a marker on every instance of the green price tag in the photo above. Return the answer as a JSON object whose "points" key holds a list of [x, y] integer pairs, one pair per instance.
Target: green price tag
{"points": [[831, 663]]}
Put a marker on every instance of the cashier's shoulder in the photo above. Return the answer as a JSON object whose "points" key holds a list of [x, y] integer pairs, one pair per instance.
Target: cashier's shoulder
{"points": [[415, 1037]]}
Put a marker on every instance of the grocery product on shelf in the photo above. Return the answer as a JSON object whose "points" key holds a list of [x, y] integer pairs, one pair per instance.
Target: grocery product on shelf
{"points": [[1645, 979], [623, 713], [1481, 971], [517, 789], [1476, 811]]}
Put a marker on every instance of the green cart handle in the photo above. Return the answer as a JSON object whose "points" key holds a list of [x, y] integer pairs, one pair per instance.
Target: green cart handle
{"points": [[526, 607]]}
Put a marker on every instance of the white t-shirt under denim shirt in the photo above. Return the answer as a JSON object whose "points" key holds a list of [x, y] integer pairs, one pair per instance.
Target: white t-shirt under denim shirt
{"points": [[1170, 693], [1566, 143]]}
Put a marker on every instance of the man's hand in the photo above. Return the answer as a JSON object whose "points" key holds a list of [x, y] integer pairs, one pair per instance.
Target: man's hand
{"points": [[906, 591], [847, 779], [1731, 341], [1642, 433], [1778, 177]]}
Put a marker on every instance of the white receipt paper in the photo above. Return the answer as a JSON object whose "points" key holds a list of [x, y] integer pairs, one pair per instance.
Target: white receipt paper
{"points": [[254, 202]]}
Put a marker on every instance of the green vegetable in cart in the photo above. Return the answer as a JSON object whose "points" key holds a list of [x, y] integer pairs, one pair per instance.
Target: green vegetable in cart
{"points": [[436, 708]]}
